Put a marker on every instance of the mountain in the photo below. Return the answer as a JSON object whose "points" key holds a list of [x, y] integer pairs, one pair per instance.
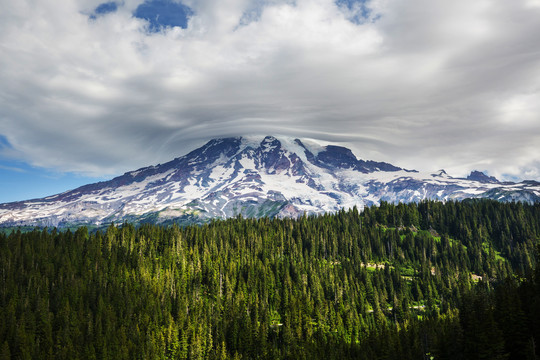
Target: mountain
{"points": [[255, 177], [481, 177]]}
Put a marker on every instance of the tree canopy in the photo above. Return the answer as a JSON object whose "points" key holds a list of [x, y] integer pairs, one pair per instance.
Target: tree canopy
{"points": [[455, 280]]}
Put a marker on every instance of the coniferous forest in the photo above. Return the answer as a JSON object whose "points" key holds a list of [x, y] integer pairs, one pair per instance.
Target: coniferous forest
{"points": [[455, 280]]}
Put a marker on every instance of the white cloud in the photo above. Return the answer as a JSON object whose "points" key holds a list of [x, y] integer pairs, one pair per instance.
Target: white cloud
{"points": [[421, 84]]}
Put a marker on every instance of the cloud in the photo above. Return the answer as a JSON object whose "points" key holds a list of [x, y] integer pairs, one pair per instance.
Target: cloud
{"points": [[12, 168], [419, 84]]}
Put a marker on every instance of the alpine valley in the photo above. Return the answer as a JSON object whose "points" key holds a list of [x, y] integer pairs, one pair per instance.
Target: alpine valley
{"points": [[254, 177]]}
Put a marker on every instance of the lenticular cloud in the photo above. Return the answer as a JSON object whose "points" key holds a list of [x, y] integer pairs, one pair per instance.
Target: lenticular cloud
{"points": [[100, 88]]}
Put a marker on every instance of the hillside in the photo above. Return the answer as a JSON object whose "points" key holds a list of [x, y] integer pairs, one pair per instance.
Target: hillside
{"points": [[454, 280]]}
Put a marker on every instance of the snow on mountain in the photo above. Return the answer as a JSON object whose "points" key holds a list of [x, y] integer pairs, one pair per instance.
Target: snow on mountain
{"points": [[255, 177]]}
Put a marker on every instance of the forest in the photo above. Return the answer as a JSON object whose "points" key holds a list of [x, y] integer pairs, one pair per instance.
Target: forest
{"points": [[453, 280]]}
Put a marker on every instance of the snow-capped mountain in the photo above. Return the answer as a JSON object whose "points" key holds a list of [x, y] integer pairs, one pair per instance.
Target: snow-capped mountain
{"points": [[255, 177]]}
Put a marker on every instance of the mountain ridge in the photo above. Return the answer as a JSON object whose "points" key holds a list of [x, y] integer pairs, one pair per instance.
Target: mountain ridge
{"points": [[253, 176]]}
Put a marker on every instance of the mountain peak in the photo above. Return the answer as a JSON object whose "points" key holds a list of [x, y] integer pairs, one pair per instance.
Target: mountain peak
{"points": [[338, 156], [481, 177], [440, 172]]}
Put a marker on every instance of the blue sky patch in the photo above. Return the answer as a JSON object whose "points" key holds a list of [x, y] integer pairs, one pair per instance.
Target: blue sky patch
{"points": [[103, 9], [163, 13], [360, 11], [4, 143], [253, 13], [28, 182], [106, 8], [21, 181]]}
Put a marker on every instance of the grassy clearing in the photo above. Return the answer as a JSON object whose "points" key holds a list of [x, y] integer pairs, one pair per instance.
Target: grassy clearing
{"points": [[487, 248]]}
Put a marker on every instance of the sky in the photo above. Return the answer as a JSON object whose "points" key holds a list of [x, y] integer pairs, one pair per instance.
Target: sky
{"points": [[92, 89]]}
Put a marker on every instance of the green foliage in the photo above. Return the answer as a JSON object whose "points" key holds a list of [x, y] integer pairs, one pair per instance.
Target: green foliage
{"points": [[390, 282]]}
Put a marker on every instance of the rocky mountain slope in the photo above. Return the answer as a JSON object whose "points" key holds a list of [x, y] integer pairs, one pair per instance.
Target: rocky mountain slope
{"points": [[255, 177]]}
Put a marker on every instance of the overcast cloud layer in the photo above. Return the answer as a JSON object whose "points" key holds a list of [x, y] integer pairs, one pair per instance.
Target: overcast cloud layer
{"points": [[419, 83]]}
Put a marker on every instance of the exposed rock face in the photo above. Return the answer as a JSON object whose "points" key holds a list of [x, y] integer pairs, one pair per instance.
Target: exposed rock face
{"points": [[254, 177], [481, 177]]}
